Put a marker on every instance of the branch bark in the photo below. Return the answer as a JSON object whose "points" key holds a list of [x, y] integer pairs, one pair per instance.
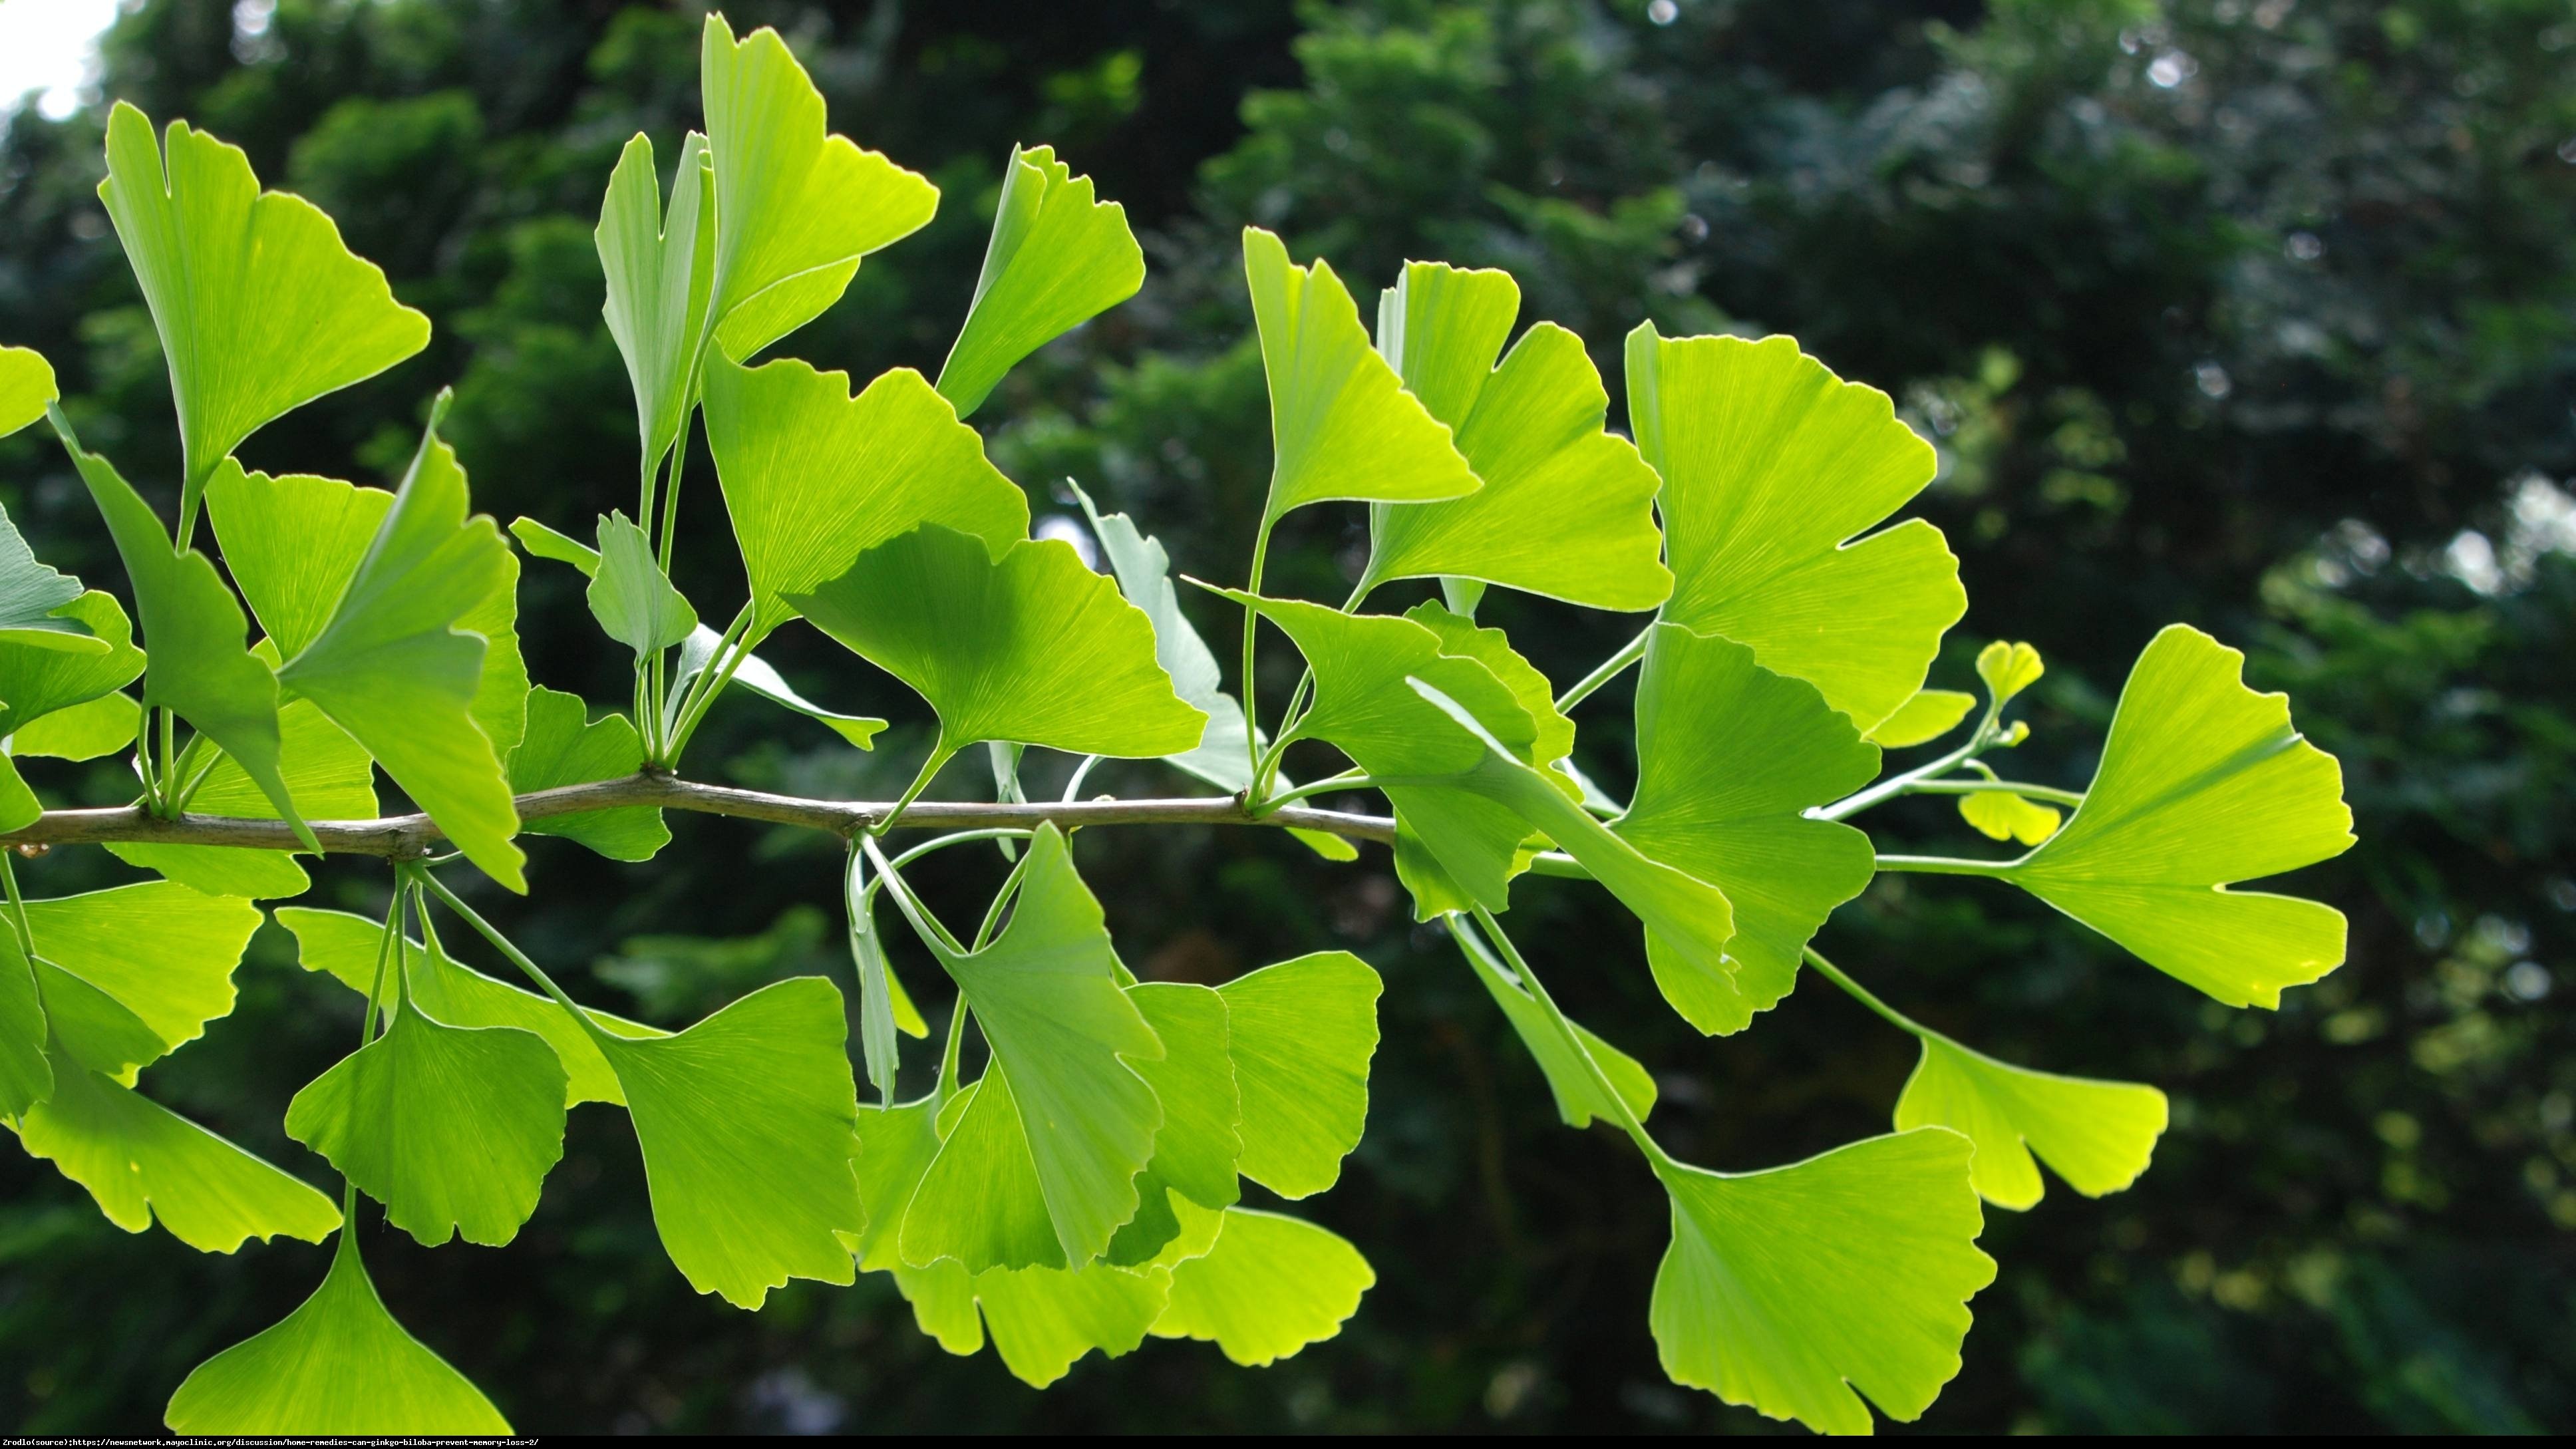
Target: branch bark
{"points": [[415, 837]]}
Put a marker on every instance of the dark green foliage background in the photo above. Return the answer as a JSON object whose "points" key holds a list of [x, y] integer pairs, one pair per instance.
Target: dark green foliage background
{"points": [[2248, 350]]}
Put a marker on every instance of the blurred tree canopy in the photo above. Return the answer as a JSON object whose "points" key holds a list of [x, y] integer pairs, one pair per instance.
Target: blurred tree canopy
{"points": [[2259, 314]]}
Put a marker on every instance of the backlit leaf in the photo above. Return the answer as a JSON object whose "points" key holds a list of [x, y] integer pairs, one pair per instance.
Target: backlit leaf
{"points": [[161, 952], [34, 598], [814, 477], [1578, 1096], [1341, 424], [2008, 669], [631, 597], [1788, 1290], [84, 731], [25, 1076], [1063, 1108], [1028, 645], [1044, 1319], [292, 543], [1566, 509], [260, 307], [1270, 1286], [2097, 1135], [1196, 1147], [756, 675], [139, 1160], [748, 1125], [2203, 783], [19, 807], [339, 1364], [2003, 815], [1770, 465], [1929, 715], [660, 266], [393, 668], [564, 746], [36, 680], [1730, 755], [1057, 259], [1301, 1034], [795, 209], [26, 386], [452, 1128]]}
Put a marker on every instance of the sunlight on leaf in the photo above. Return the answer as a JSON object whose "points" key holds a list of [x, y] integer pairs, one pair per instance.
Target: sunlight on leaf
{"points": [[26, 1078], [160, 953], [35, 601], [564, 746], [2097, 1135], [755, 675], [1341, 424], [84, 731], [1770, 465], [1196, 1146], [1044, 1319], [141, 1160], [1301, 1034], [36, 679], [1566, 510], [1578, 1097], [1057, 259], [339, 1364], [26, 386], [260, 307], [2008, 669], [1270, 1286], [1929, 715], [631, 597], [1029, 645], [1730, 756], [1787, 1290], [660, 267], [2003, 815], [2203, 783]]}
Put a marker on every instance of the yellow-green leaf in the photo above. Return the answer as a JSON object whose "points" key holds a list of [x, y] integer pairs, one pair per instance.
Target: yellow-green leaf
{"points": [[1929, 715], [1057, 259], [2097, 1135]]}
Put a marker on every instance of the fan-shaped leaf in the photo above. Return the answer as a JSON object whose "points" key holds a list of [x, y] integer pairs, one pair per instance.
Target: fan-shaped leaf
{"points": [[1786, 1290], [2203, 783], [394, 669], [2097, 1135], [2002, 815], [660, 267], [83, 731], [1301, 1034], [37, 679], [1270, 1286], [345, 946], [566, 747], [326, 771], [756, 676], [260, 307], [26, 386], [1062, 1110], [1770, 463], [2008, 669], [201, 667], [795, 209], [1341, 424], [25, 1076], [1566, 509], [339, 1364], [139, 1159], [452, 1128], [1028, 645], [35, 599], [814, 477], [1194, 1079], [631, 597], [1044, 1319], [1929, 715], [1729, 756], [1057, 259], [157, 956], [748, 1125]]}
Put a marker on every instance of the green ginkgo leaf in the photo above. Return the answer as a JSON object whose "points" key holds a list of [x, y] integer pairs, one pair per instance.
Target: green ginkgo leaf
{"points": [[139, 1160], [1144, 573], [1058, 258], [345, 947], [660, 267], [814, 477], [795, 209], [157, 956], [26, 1078], [1566, 510], [564, 746], [26, 386], [1062, 1110], [1028, 645], [33, 600], [83, 731], [1301, 1034], [1929, 715], [1788, 1290], [2008, 669], [339, 1364], [2097, 1135], [394, 667], [1729, 757], [2203, 783], [329, 774], [19, 807], [292, 543], [201, 667], [1770, 465], [2003, 815], [452, 1128], [1579, 1100], [36, 679], [260, 307], [756, 675], [631, 597], [1270, 1286], [1196, 1147], [748, 1125], [1341, 424], [901, 1143], [1043, 1320]]}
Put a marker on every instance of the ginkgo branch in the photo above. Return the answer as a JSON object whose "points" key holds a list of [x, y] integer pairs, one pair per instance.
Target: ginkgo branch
{"points": [[417, 837]]}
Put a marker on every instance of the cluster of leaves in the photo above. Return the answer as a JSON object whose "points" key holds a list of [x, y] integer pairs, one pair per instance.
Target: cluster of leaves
{"points": [[1085, 1190]]}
